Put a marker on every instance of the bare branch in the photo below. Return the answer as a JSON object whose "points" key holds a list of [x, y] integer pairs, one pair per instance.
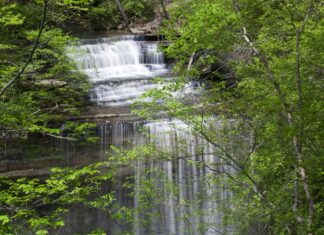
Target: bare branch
{"points": [[58, 136]]}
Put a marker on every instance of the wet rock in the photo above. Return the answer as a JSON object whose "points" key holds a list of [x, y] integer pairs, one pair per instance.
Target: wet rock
{"points": [[50, 82], [137, 30]]}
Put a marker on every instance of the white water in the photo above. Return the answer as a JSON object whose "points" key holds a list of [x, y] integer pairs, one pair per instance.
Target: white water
{"points": [[119, 68], [183, 212]]}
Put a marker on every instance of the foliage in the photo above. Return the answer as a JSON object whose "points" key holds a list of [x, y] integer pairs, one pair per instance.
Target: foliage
{"points": [[143, 8], [49, 89], [104, 16], [273, 48], [80, 131], [24, 202], [266, 125]]}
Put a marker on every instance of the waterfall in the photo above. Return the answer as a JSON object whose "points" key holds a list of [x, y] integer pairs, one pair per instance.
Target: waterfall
{"points": [[120, 68], [183, 212]]}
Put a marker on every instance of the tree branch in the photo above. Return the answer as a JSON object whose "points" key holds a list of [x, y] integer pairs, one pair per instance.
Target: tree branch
{"points": [[22, 70]]}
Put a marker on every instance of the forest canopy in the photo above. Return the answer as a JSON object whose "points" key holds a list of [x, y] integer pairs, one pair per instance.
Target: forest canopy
{"points": [[259, 66]]}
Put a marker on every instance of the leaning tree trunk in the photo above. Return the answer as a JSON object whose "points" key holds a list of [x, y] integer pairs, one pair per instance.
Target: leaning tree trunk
{"points": [[297, 140], [122, 12], [166, 14]]}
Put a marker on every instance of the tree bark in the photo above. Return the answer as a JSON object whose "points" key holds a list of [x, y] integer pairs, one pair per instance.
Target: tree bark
{"points": [[122, 12], [166, 14], [297, 140], [191, 59]]}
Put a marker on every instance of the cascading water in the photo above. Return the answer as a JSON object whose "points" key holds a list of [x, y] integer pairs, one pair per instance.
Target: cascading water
{"points": [[120, 69], [183, 211]]}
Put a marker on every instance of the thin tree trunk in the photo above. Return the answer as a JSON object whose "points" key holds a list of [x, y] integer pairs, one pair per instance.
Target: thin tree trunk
{"points": [[22, 70], [296, 142], [166, 14], [191, 61], [297, 139], [296, 196], [122, 12]]}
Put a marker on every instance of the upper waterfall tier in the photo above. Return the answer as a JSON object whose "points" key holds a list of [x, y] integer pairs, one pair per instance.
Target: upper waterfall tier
{"points": [[114, 64], [120, 57]]}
